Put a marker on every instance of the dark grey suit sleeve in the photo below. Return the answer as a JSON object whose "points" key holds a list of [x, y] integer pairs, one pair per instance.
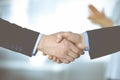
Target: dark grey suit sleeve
{"points": [[104, 41], [16, 38]]}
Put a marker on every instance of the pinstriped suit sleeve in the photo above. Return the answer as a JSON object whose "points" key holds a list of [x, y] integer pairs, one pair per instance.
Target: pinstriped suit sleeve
{"points": [[104, 41], [16, 38]]}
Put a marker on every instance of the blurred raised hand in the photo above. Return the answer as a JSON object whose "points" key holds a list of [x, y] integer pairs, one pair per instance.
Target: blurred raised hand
{"points": [[98, 17]]}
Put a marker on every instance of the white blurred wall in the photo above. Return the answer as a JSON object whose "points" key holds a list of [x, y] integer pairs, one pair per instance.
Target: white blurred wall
{"points": [[49, 16]]}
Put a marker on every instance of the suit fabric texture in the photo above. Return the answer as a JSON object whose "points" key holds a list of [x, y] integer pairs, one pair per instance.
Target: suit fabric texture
{"points": [[104, 41], [16, 38]]}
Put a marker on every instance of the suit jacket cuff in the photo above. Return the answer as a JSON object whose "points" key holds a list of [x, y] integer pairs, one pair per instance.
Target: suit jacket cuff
{"points": [[86, 41], [36, 44]]}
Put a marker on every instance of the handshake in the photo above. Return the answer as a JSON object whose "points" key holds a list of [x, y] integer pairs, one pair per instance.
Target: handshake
{"points": [[62, 47]]}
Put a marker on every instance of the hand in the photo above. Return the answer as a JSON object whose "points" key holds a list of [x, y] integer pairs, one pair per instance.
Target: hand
{"points": [[77, 39], [65, 50], [99, 17]]}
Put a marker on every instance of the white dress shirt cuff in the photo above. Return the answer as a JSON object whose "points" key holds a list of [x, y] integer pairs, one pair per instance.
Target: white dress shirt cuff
{"points": [[86, 41], [36, 44]]}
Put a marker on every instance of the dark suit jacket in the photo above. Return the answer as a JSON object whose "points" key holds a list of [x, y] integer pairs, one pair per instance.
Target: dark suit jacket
{"points": [[104, 41], [16, 38]]}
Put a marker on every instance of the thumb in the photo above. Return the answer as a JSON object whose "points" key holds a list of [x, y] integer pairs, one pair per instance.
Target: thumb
{"points": [[60, 37], [81, 46]]}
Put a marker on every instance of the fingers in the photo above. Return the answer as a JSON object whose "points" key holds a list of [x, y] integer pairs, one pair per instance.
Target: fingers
{"points": [[66, 48], [73, 55], [55, 59], [93, 9], [75, 49], [69, 58], [59, 37], [83, 53], [44, 54], [71, 51], [72, 37], [50, 57], [64, 61], [58, 61], [75, 52]]}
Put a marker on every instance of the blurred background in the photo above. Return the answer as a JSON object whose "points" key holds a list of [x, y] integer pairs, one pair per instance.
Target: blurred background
{"points": [[50, 16]]}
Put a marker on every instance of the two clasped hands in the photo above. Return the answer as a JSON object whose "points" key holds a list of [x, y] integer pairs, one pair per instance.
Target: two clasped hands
{"points": [[62, 47]]}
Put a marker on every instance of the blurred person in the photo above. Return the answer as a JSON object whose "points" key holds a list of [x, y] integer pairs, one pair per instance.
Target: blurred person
{"points": [[105, 22], [99, 17]]}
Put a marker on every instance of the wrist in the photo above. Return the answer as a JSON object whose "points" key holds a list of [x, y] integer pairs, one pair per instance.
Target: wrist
{"points": [[83, 41], [107, 23], [41, 43], [82, 44]]}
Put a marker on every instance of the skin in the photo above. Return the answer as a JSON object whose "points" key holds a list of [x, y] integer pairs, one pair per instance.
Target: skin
{"points": [[98, 17], [64, 50], [77, 39]]}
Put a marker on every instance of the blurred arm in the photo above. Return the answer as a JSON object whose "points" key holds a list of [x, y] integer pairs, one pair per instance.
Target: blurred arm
{"points": [[104, 41], [16, 38]]}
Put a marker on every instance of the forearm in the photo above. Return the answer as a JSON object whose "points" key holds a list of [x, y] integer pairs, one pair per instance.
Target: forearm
{"points": [[103, 41], [16, 38], [107, 23]]}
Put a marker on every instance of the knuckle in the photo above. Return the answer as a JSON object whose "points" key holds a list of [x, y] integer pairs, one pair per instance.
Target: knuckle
{"points": [[77, 51], [72, 59], [76, 56], [66, 62]]}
